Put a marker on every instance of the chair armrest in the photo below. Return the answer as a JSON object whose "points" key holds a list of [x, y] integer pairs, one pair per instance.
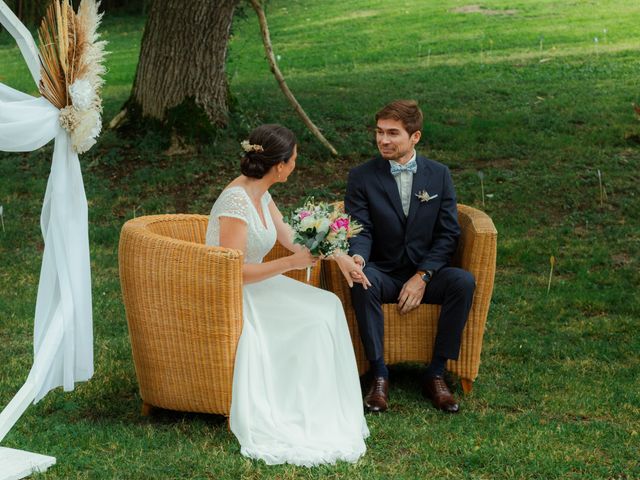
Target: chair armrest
{"points": [[477, 254]]}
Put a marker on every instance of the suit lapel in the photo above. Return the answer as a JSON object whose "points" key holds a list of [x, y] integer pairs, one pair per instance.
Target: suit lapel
{"points": [[390, 187], [420, 179]]}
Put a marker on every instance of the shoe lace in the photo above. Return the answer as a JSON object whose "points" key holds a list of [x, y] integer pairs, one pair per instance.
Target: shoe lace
{"points": [[440, 385], [379, 388]]}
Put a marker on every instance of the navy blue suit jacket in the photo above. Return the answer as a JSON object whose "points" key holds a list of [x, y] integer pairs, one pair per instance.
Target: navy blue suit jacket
{"points": [[426, 238]]}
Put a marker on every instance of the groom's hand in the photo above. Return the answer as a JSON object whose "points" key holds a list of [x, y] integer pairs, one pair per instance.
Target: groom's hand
{"points": [[411, 294]]}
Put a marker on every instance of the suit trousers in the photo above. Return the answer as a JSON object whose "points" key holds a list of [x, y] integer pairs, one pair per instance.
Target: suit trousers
{"points": [[450, 287]]}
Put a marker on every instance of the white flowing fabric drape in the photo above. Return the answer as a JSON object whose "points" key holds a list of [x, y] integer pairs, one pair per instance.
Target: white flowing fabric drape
{"points": [[63, 331]]}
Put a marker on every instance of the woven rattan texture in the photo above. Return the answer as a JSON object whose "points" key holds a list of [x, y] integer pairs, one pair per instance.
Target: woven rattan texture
{"points": [[183, 302]]}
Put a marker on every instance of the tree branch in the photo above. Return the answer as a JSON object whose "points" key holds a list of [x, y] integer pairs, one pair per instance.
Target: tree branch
{"points": [[266, 39]]}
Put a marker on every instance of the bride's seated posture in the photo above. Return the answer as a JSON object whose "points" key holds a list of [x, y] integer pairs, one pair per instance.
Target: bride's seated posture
{"points": [[296, 393]]}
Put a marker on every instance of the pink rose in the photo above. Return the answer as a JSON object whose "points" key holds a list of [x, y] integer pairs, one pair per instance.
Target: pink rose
{"points": [[340, 223], [304, 214]]}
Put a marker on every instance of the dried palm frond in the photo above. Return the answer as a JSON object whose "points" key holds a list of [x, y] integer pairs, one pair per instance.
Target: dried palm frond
{"points": [[54, 37]]}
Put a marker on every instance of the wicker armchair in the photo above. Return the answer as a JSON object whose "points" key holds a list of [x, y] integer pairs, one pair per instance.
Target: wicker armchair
{"points": [[409, 338], [183, 303]]}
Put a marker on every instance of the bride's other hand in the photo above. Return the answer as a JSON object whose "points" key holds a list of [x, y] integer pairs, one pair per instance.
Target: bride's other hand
{"points": [[302, 259], [352, 271]]}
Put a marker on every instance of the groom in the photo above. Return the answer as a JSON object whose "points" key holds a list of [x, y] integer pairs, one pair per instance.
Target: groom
{"points": [[407, 206]]}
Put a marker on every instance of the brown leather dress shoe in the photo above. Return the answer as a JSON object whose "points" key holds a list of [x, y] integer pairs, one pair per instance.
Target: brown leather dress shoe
{"points": [[377, 398], [436, 390]]}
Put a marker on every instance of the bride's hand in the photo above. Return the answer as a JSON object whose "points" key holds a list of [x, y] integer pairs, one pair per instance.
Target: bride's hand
{"points": [[352, 271], [302, 259]]}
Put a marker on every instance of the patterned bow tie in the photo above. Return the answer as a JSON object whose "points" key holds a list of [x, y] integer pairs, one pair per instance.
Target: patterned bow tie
{"points": [[397, 168]]}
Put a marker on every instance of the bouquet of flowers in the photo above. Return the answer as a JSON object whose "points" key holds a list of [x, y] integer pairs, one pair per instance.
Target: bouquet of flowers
{"points": [[322, 228]]}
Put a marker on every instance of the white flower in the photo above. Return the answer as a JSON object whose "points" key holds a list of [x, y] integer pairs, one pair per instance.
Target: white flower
{"points": [[82, 94], [83, 137], [322, 225], [250, 147], [307, 222], [68, 118], [424, 196]]}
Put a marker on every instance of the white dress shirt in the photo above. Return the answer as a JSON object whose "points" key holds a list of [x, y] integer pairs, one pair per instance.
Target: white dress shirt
{"points": [[405, 183]]}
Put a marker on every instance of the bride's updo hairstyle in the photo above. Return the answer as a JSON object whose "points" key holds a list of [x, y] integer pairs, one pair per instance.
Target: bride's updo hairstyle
{"points": [[268, 145]]}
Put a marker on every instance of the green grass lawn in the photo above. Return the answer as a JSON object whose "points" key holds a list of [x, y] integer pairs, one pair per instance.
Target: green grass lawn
{"points": [[521, 91]]}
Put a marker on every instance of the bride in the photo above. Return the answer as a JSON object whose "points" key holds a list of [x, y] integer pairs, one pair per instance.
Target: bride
{"points": [[296, 393]]}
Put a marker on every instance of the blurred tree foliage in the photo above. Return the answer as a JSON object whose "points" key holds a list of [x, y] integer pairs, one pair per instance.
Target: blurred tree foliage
{"points": [[31, 11]]}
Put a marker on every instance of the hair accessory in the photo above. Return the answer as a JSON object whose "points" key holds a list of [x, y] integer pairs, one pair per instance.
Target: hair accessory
{"points": [[250, 147]]}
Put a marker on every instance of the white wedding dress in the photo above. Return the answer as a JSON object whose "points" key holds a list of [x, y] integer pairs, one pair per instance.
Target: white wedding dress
{"points": [[296, 393]]}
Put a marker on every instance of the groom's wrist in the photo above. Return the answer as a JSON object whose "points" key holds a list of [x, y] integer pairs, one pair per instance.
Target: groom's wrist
{"points": [[425, 275]]}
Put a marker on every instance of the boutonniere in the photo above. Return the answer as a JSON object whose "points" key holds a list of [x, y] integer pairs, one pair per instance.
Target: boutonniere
{"points": [[424, 196]]}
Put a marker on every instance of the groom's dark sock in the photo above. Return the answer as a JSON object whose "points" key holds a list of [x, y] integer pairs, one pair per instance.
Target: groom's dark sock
{"points": [[436, 366], [378, 368]]}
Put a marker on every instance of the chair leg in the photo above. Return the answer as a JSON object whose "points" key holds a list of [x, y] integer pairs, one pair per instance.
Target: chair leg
{"points": [[467, 385], [147, 409]]}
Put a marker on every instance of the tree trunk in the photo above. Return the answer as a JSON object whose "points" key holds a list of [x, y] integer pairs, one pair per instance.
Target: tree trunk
{"points": [[182, 58]]}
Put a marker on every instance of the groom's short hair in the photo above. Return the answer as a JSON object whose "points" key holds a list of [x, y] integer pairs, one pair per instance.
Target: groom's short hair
{"points": [[405, 111]]}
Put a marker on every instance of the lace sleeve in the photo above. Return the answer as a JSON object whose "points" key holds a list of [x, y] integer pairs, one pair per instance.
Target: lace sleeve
{"points": [[232, 203]]}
